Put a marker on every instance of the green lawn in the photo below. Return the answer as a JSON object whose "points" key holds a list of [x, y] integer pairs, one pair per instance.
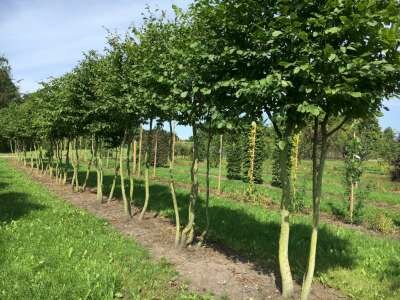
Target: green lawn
{"points": [[51, 250]]}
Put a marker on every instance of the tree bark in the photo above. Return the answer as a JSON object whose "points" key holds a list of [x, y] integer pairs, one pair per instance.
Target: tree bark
{"points": [[286, 202], [318, 169], [127, 204], [89, 166], [171, 157], [220, 163], [146, 172], [116, 169], [140, 151], [209, 138], [155, 154], [188, 232]]}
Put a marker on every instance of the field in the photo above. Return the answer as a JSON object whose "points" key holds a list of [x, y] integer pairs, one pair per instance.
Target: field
{"points": [[356, 260]]}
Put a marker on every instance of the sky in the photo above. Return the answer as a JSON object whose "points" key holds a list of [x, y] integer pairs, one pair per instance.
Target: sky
{"points": [[46, 38]]}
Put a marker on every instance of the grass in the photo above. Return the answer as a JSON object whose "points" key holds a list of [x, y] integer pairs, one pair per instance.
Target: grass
{"points": [[51, 250], [358, 264]]}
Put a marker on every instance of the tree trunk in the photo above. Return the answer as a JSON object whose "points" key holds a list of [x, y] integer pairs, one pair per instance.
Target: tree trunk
{"points": [[252, 158], [146, 171], [134, 158], [89, 166], [188, 232], [99, 170], [294, 161], [318, 169], [286, 202], [116, 169], [171, 157], [155, 155], [127, 204], [108, 159], [209, 138], [140, 151], [351, 201], [130, 175], [220, 163]]}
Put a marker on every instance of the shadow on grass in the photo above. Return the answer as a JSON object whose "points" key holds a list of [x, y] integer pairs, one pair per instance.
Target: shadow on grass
{"points": [[254, 236], [3, 185], [14, 206]]}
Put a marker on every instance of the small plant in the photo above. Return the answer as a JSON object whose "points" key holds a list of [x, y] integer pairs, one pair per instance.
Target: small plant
{"points": [[299, 200], [382, 223]]}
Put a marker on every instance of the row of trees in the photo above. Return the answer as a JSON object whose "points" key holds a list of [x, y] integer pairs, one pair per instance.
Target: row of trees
{"points": [[322, 63]]}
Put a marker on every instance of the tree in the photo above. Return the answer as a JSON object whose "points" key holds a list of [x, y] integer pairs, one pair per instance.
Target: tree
{"points": [[8, 89]]}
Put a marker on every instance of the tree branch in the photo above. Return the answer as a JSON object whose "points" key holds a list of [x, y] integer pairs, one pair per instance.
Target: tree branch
{"points": [[337, 127]]}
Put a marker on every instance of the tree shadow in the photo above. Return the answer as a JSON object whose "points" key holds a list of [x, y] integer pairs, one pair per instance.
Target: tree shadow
{"points": [[14, 206], [244, 235], [3, 185]]}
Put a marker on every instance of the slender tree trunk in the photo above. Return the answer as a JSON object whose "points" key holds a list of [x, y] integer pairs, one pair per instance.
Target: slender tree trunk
{"points": [[252, 158], [31, 157], [11, 147], [209, 138], [127, 204], [77, 165], [171, 158], [130, 175], [351, 201], [294, 161], [116, 169], [89, 166], [146, 171], [286, 202], [220, 163], [108, 159], [67, 161], [318, 169], [155, 155], [140, 151], [188, 232], [134, 157], [99, 170]]}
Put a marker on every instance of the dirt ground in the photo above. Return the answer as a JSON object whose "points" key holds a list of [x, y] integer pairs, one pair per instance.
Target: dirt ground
{"points": [[208, 269]]}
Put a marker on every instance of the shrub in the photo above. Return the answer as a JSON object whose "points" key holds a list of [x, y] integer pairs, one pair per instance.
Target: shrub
{"points": [[382, 223]]}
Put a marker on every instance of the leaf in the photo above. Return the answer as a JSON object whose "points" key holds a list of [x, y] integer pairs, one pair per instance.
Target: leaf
{"points": [[184, 94], [356, 94], [332, 57], [332, 30], [276, 33], [282, 145], [205, 91]]}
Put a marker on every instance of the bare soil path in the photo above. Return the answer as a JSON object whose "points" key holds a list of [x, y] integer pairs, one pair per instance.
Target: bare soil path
{"points": [[209, 269]]}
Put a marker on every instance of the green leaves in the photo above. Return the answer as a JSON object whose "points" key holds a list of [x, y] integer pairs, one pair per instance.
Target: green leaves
{"points": [[276, 33]]}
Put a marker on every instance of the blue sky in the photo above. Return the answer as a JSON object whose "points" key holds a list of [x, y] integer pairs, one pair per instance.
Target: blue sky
{"points": [[44, 38]]}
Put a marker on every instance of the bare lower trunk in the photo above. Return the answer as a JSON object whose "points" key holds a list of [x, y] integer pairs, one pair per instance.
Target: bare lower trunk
{"points": [[318, 169], [220, 163], [116, 169], [134, 157], [146, 173], [127, 204], [351, 201], [89, 166], [188, 232], [171, 157], [155, 156], [286, 202], [139, 165], [209, 138]]}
